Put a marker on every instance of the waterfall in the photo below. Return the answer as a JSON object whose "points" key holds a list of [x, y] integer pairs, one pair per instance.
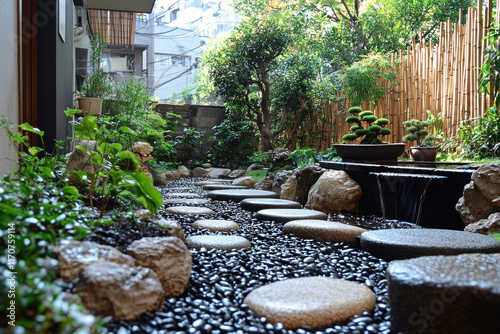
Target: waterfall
{"points": [[402, 195]]}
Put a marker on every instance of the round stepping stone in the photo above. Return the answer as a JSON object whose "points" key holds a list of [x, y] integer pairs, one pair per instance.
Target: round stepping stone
{"points": [[445, 294], [222, 186], [224, 242], [214, 225], [187, 195], [310, 301], [187, 201], [286, 215], [396, 244], [190, 210], [322, 230], [237, 195], [256, 204]]}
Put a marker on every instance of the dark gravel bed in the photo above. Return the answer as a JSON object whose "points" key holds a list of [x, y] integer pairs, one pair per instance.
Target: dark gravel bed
{"points": [[213, 301]]}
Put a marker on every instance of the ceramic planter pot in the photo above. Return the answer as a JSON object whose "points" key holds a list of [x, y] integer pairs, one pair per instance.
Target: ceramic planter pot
{"points": [[92, 104], [423, 153], [380, 153]]}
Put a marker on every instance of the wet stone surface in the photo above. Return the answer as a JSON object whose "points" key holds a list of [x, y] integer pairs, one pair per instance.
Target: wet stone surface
{"points": [[220, 279]]}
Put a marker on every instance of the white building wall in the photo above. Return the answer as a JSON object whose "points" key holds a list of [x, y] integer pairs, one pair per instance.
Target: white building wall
{"points": [[9, 92]]}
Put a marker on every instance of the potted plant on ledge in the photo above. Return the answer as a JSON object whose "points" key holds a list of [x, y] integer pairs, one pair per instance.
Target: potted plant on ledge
{"points": [[418, 133], [97, 84], [368, 129]]}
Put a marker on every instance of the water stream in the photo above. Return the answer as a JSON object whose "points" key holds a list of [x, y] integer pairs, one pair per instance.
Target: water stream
{"points": [[402, 195]]}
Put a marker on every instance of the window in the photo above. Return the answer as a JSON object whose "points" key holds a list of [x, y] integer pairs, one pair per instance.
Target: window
{"points": [[174, 14]]}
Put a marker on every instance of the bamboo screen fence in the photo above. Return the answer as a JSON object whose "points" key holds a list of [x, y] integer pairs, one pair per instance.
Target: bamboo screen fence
{"points": [[115, 28], [440, 78]]}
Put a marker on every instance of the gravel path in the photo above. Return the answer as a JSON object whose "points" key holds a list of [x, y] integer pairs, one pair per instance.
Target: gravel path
{"points": [[220, 280]]}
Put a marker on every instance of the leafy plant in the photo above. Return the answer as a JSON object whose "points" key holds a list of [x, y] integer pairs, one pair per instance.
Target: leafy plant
{"points": [[418, 133], [361, 79], [108, 158], [304, 156], [37, 210], [482, 139], [190, 143], [370, 134], [261, 158], [97, 82]]}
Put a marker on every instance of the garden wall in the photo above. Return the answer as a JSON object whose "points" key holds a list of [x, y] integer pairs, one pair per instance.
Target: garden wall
{"points": [[202, 118]]}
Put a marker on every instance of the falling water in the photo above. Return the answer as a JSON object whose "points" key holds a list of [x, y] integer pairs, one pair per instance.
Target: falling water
{"points": [[402, 195]]}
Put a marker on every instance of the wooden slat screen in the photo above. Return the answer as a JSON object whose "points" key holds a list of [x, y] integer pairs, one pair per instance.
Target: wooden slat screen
{"points": [[115, 28]]}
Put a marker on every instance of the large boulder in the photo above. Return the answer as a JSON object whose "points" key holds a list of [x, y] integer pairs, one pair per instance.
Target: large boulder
{"points": [[485, 226], [237, 173], [199, 172], [481, 195], [142, 148], [266, 183], [172, 175], [118, 290], [174, 227], [279, 179], [80, 161], [74, 257], [168, 257], [334, 192], [289, 188], [183, 171], [246, 181], [218, 173], [306, 177]]}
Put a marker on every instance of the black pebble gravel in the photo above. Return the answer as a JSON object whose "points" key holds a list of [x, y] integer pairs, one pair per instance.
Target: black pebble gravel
{"points": [[213, 301]]}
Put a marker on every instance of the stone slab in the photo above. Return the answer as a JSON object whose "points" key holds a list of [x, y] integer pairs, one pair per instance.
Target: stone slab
{"points": [[183, 195], [216, 225], [204, 183], [186, 201], [310, 301], [222, 186], [445, 294], [256, 204], [322, 230], [224, 242], [190, 210], [237, 195], [397, 244], [286, 215]]}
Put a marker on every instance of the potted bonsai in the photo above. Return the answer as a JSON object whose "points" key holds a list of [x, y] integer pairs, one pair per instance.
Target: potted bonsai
{"points": [[97, 84], [418, 133], [367, 130]]}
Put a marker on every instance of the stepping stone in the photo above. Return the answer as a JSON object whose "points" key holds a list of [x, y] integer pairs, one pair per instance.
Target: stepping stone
{"points": [[224, 242], [222, 186], [397, 244], [256, 204], [310, 301], [187, 201], [322, 230], [286, 215], [203, 183], [182, 195], [214, 225], [190, 210], [445, 294], [237, 195]]}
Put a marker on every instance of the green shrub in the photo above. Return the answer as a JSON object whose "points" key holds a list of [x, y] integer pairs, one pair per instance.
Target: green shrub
{"points": [[374, 127]]}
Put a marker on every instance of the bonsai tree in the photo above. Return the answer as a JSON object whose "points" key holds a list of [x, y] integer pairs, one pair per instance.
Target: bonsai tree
{"points": [[371, 131], [418, 133]]}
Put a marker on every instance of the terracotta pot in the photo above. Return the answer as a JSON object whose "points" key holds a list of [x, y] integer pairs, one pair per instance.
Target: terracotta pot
{"points": [[87, 104], [380, 153], [423, 153]]}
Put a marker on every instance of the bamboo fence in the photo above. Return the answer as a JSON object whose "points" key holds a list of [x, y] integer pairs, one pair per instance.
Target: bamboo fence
{"points": [[440, 78]]}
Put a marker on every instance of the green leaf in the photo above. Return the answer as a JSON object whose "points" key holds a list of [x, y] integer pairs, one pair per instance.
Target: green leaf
{"points": [[71, 112], [35, 150], [146, 193], [48, 172], [28, 127], [129, 155], [87, 128], [70, 190], [126, 129]]}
